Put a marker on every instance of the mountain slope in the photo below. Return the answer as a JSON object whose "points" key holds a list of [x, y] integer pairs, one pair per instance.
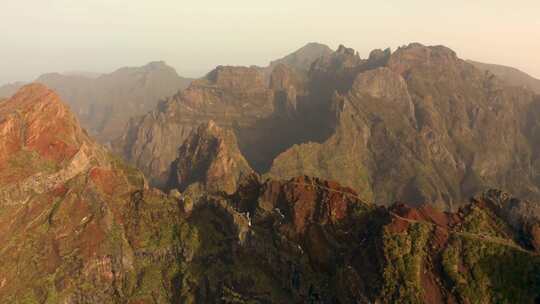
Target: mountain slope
{"points": [[65, 209], [510, 75]]}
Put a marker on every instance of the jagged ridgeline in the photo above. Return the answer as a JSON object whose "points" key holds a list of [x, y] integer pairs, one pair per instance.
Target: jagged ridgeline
{"points": [[418, 124], [80, 226]]}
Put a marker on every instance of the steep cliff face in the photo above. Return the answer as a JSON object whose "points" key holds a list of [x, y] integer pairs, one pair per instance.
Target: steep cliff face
{"points": [[211, 159]]}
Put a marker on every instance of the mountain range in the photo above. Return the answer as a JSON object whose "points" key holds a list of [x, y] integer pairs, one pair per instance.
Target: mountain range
{"points": [[321, 178], [418, 124]]}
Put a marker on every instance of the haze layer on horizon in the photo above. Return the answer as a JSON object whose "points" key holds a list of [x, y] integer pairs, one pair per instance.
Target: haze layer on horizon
{"points": [[195, 36]]}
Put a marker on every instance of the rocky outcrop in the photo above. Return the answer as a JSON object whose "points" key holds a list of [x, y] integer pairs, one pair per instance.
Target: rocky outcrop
{"points": [[210, 157], [54, 208]]}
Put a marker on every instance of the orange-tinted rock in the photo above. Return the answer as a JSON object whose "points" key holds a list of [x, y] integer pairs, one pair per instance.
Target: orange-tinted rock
{"points": [[35, 119], [105, 179]]}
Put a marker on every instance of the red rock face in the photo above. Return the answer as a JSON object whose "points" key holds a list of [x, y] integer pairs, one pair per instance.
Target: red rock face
{"points": [[310, 201], [402, 216], [36, 119]]}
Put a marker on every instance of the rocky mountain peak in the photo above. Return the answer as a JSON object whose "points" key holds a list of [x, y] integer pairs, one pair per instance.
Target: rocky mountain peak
{"points": [[379, 57], [342, 59], [304, 57], [416, 54], [314, 47], [309, 200], [345, 50], [31, 94], [209, 158], [379, 53], [35, 119]]}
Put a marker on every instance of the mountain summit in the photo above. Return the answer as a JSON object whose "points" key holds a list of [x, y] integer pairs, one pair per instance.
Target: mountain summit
{"points": [[304, 57]]}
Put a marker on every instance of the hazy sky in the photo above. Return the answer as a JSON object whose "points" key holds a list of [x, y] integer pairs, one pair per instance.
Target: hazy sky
{"points": [[39, 36]]}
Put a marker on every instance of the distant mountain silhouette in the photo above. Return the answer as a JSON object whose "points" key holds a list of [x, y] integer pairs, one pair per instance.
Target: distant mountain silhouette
{"points": [[104, 103]]}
